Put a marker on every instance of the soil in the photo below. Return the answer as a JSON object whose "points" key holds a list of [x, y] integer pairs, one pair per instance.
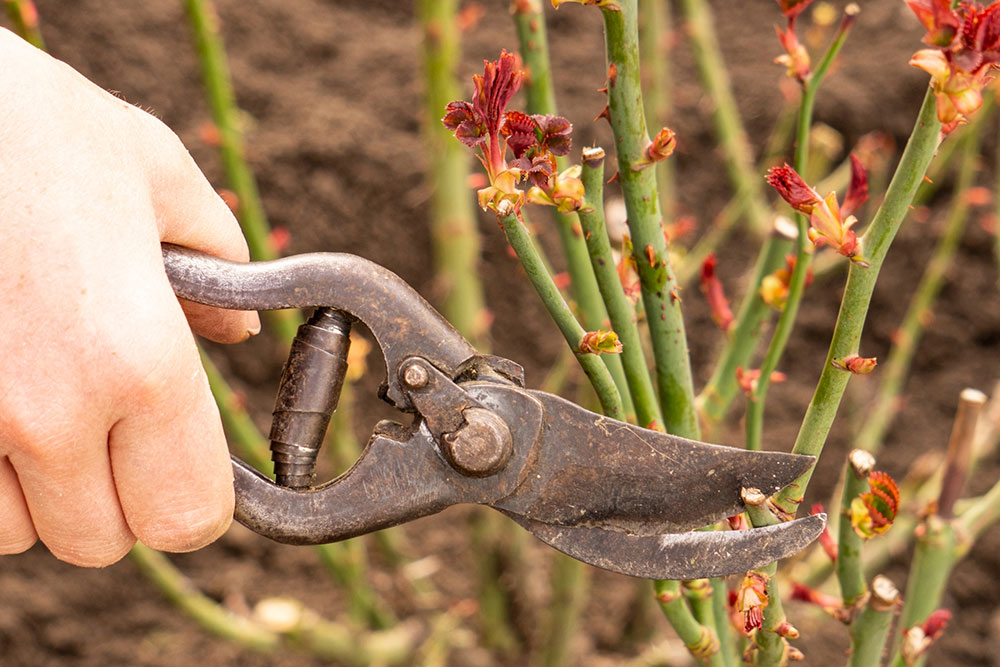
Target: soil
{"points": [[332, 91]]}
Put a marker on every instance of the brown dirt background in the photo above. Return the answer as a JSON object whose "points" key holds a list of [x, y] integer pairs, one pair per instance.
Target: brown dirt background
{"points": [[334, 93]]}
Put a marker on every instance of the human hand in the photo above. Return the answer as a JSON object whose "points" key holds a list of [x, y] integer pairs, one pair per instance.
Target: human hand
{"points": [[108, 430]]}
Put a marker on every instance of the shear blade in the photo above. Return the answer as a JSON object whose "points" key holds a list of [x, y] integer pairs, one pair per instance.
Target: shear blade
{"points": [[603, 473], [693, 555]]}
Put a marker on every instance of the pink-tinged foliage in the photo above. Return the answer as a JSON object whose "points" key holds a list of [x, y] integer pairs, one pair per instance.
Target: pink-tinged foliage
{"points": [[857, 191], [792, 8], [600, 342], [919, 638], [748, 379], [826, 540], [829, 223], [793, 189], [751, 600], [873, 512], [856, 364], [534, 141], [711, 287], [966, 46]]}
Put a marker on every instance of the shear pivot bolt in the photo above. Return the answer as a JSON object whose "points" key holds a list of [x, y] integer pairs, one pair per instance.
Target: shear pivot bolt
{"points": [[482, 446], [416, 376]]}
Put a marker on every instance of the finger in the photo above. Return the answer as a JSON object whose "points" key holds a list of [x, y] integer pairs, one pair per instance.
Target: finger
{"points": [[17, 533], [72, 462], [191, 213], [168, 452]]}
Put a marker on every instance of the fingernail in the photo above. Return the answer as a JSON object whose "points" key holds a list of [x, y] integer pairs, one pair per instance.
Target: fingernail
{"points": [[253, 323]]}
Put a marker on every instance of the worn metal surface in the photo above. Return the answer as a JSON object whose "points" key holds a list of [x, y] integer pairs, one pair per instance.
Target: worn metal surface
{"points": [[308, 394], [603, 491]]}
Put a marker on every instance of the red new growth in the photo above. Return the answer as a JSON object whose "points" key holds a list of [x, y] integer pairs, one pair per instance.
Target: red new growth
{"points": [[966, 41], [534, 140], [829, 223], [751, 600], [711, 287]]}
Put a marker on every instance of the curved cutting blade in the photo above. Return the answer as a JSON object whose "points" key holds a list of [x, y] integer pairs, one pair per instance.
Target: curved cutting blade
{"points": [[599, 472], [692, 555]]}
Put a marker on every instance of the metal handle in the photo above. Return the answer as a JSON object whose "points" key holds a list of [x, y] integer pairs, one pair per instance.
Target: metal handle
{"points": [[307, 396]]}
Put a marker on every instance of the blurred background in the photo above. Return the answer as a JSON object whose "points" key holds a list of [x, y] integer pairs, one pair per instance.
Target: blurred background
{"points": [[332, 94]]}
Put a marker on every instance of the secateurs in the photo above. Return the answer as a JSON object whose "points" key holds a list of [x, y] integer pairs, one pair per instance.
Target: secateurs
{"points": [[603, 491]]}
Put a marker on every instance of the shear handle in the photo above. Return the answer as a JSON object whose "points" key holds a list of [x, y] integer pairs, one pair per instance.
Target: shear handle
{"points": [[390, 484], [402, 322]]}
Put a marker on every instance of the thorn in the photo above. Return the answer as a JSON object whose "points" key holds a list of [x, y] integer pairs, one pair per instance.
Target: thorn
{"points": [[650, 255], [614, 177], [612, 74], [927, 180], [603, 91], [605, 113]]}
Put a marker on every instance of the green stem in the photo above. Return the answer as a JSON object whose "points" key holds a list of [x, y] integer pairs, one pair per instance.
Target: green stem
{"points": [[744, 334], [699, 639], [933, 559], [487, 539], [454, 232], [227, 118], [870, 628], [850, 574], [312, 635], [529, 20], [983, 513], [25, 17], [857, 294], [541, 279], [569, 595], [797, 282], [771, 647], [655, 34], [895, 370], [662, 304], [620, 309], [723, 624], [725, 113], [212, 616]]}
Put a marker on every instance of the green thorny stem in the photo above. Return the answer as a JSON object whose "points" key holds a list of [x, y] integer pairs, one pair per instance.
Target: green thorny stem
{"points": [[311, 634], [871, 627], [452, 215], [797, 283], [770, 647], [746, 329], [655, 37], [938, 539], [559, 310], [850, 573], [876, 240], [620, 309], [532, 36], [228, 121], [659, 290], [725, 114], [25, 19], [894, 372]]}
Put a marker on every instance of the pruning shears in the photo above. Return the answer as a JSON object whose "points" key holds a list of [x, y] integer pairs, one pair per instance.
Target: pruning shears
{"points": [[605, 492]]}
